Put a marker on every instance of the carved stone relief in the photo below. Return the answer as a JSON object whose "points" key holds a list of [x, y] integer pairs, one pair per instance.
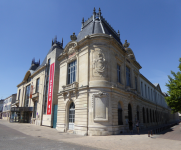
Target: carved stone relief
{"points": [[99, 64], [71, 48], [100, 103]]}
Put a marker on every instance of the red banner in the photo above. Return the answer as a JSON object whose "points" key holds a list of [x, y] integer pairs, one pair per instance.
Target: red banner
{"points": [[31, 91], [50, 89]]}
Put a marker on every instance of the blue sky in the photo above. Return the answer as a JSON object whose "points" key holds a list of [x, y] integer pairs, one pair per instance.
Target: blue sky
{"points": [[152, 27]]}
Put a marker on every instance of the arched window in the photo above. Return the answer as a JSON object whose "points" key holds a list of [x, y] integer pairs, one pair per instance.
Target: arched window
{"points": [[147, 115], [150, 116], [120, 118], [29, 79], [155, 115], [143, 111], [137, 113], [129, 112], [71, 116]]}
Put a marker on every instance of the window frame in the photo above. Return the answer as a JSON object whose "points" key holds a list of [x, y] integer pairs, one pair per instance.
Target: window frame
{"points": [[136, 83], [128, 76], [118, 73], [72, 72], [142, 88], [35, 109], [19, 94], [27, 96], [37, 85]]}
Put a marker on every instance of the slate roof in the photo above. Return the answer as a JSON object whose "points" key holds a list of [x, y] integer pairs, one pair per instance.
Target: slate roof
{"points": [[97, 24], [165, 94], [55, 44], [155, 84]]}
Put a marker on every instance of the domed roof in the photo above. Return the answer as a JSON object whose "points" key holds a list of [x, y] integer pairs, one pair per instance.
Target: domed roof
{"points": [[97, 24]]}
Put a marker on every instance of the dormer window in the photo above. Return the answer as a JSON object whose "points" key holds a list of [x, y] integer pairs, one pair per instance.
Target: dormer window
{"points": [[29, 79]]}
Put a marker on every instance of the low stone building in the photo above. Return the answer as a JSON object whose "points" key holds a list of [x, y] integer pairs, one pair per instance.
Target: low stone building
{"points": [[101, 87], [7, 106], [1, 107], [37, 93]]}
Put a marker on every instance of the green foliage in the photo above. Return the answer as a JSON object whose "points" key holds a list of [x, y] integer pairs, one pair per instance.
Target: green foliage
{"points": [[174, 90]]}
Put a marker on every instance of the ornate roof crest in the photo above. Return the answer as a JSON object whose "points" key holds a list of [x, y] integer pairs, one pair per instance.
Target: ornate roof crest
{"points": [[126, 44], [73, 37]]}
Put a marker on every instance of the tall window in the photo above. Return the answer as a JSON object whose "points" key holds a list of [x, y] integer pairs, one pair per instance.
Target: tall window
{"points": [[46, 97], [19, 94], [142, 88], [148, 93], [34, 110], [150, 116], [143, 111], [147, 115], [72, 72], [153, 116], [151, 95], [145, 91], [120, 119], [119, 73], [128, 77], [27, 95], [37, 85], [136, 83], [137, 112], [46, 90]]}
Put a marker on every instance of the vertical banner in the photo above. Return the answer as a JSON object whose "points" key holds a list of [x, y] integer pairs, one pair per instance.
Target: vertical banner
{"points": [[50, 89], [31, 91]]}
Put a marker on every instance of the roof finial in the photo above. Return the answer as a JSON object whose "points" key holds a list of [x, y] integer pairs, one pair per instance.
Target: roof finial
{"points": [[99, 13], [94, 14], [52, 42], [55, 39], [82, 24], [62, 42], [118, 34], [94, 10]]}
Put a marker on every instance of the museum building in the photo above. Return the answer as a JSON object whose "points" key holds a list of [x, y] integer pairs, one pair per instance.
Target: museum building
{"points": [[93, 86], [37, 93], [101, 87]]}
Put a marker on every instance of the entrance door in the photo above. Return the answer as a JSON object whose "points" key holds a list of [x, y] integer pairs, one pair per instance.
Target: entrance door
{"points": [[55, 116], [129, 112], [71, 116]]}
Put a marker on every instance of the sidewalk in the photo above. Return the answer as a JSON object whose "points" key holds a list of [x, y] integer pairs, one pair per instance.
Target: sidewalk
{"points": [[113, 142]]}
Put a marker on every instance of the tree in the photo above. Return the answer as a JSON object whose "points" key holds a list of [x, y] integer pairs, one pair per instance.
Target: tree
{"points": [[174, 90]]}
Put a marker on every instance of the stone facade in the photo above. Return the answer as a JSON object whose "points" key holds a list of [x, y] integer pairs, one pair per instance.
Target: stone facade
{"points": [[36, 109], [103, 102], [7, 106]]}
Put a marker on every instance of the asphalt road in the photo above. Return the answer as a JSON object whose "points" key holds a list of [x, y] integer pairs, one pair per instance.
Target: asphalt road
{"points": [[11, 139]]}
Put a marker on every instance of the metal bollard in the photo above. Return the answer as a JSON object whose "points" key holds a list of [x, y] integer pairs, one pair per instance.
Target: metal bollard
{"points": [[148, 133], [151, 133]]}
